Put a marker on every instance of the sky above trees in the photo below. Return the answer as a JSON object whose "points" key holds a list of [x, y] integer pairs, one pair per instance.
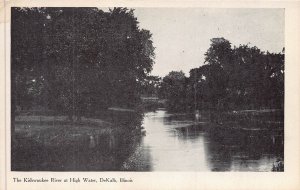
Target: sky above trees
{"points": [[182, 35]]}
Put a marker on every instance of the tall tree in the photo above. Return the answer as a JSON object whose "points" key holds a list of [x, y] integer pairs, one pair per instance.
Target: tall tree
{"points": [[78, 60], [241, 77]]}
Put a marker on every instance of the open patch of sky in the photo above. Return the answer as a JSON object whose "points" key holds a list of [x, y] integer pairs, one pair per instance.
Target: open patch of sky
{"points": [[182, 35]]}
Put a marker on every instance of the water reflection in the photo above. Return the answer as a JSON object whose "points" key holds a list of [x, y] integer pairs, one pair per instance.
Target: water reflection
{"points": [[174, 143]]}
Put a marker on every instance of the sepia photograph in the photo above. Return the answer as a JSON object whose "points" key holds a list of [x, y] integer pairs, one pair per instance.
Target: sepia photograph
{"points": [[147, 89]]}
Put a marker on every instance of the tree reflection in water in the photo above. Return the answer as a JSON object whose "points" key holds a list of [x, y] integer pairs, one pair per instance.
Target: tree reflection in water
{"points": [[243, 150], [224, 148], [172, 143]]}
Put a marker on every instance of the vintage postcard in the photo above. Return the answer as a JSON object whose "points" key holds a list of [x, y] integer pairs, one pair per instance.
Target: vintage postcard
{"points": [[150, 95]]}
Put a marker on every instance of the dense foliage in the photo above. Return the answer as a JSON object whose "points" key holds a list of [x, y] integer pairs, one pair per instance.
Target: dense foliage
{"points": [[77, 61], [173, 88], [241, 77]]}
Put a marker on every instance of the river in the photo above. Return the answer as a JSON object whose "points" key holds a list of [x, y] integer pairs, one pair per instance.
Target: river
{"points": [[170, 142], [175, 143]]}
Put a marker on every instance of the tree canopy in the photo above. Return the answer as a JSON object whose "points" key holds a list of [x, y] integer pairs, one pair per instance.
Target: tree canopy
{"points": [[173, 88], [241, 77], [78, 60]]}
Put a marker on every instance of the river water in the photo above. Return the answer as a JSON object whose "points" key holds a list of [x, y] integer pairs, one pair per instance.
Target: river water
{"points": [[175, 143], [170, 142]]}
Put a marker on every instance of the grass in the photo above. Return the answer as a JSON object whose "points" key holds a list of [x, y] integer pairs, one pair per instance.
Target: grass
{"points": [[54, 143]]}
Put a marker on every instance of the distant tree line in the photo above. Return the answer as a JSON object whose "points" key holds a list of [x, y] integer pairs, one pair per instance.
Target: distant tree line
{"points": [[235, 78], [77, 61], [151, 86]]}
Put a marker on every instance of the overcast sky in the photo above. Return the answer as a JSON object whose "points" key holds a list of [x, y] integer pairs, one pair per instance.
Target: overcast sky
{"points": [[182, 35]]}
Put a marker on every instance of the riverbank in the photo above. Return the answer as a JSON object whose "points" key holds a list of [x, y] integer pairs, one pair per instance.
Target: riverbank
{"points": [[264, 117], [54, 143]]}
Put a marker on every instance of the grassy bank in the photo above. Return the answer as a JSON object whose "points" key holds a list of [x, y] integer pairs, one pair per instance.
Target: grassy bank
{"points": [[53, 143]]}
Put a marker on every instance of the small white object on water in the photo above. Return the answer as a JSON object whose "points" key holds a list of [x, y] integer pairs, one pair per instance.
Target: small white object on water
{"points": [[92, 142], [197, 115]]}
